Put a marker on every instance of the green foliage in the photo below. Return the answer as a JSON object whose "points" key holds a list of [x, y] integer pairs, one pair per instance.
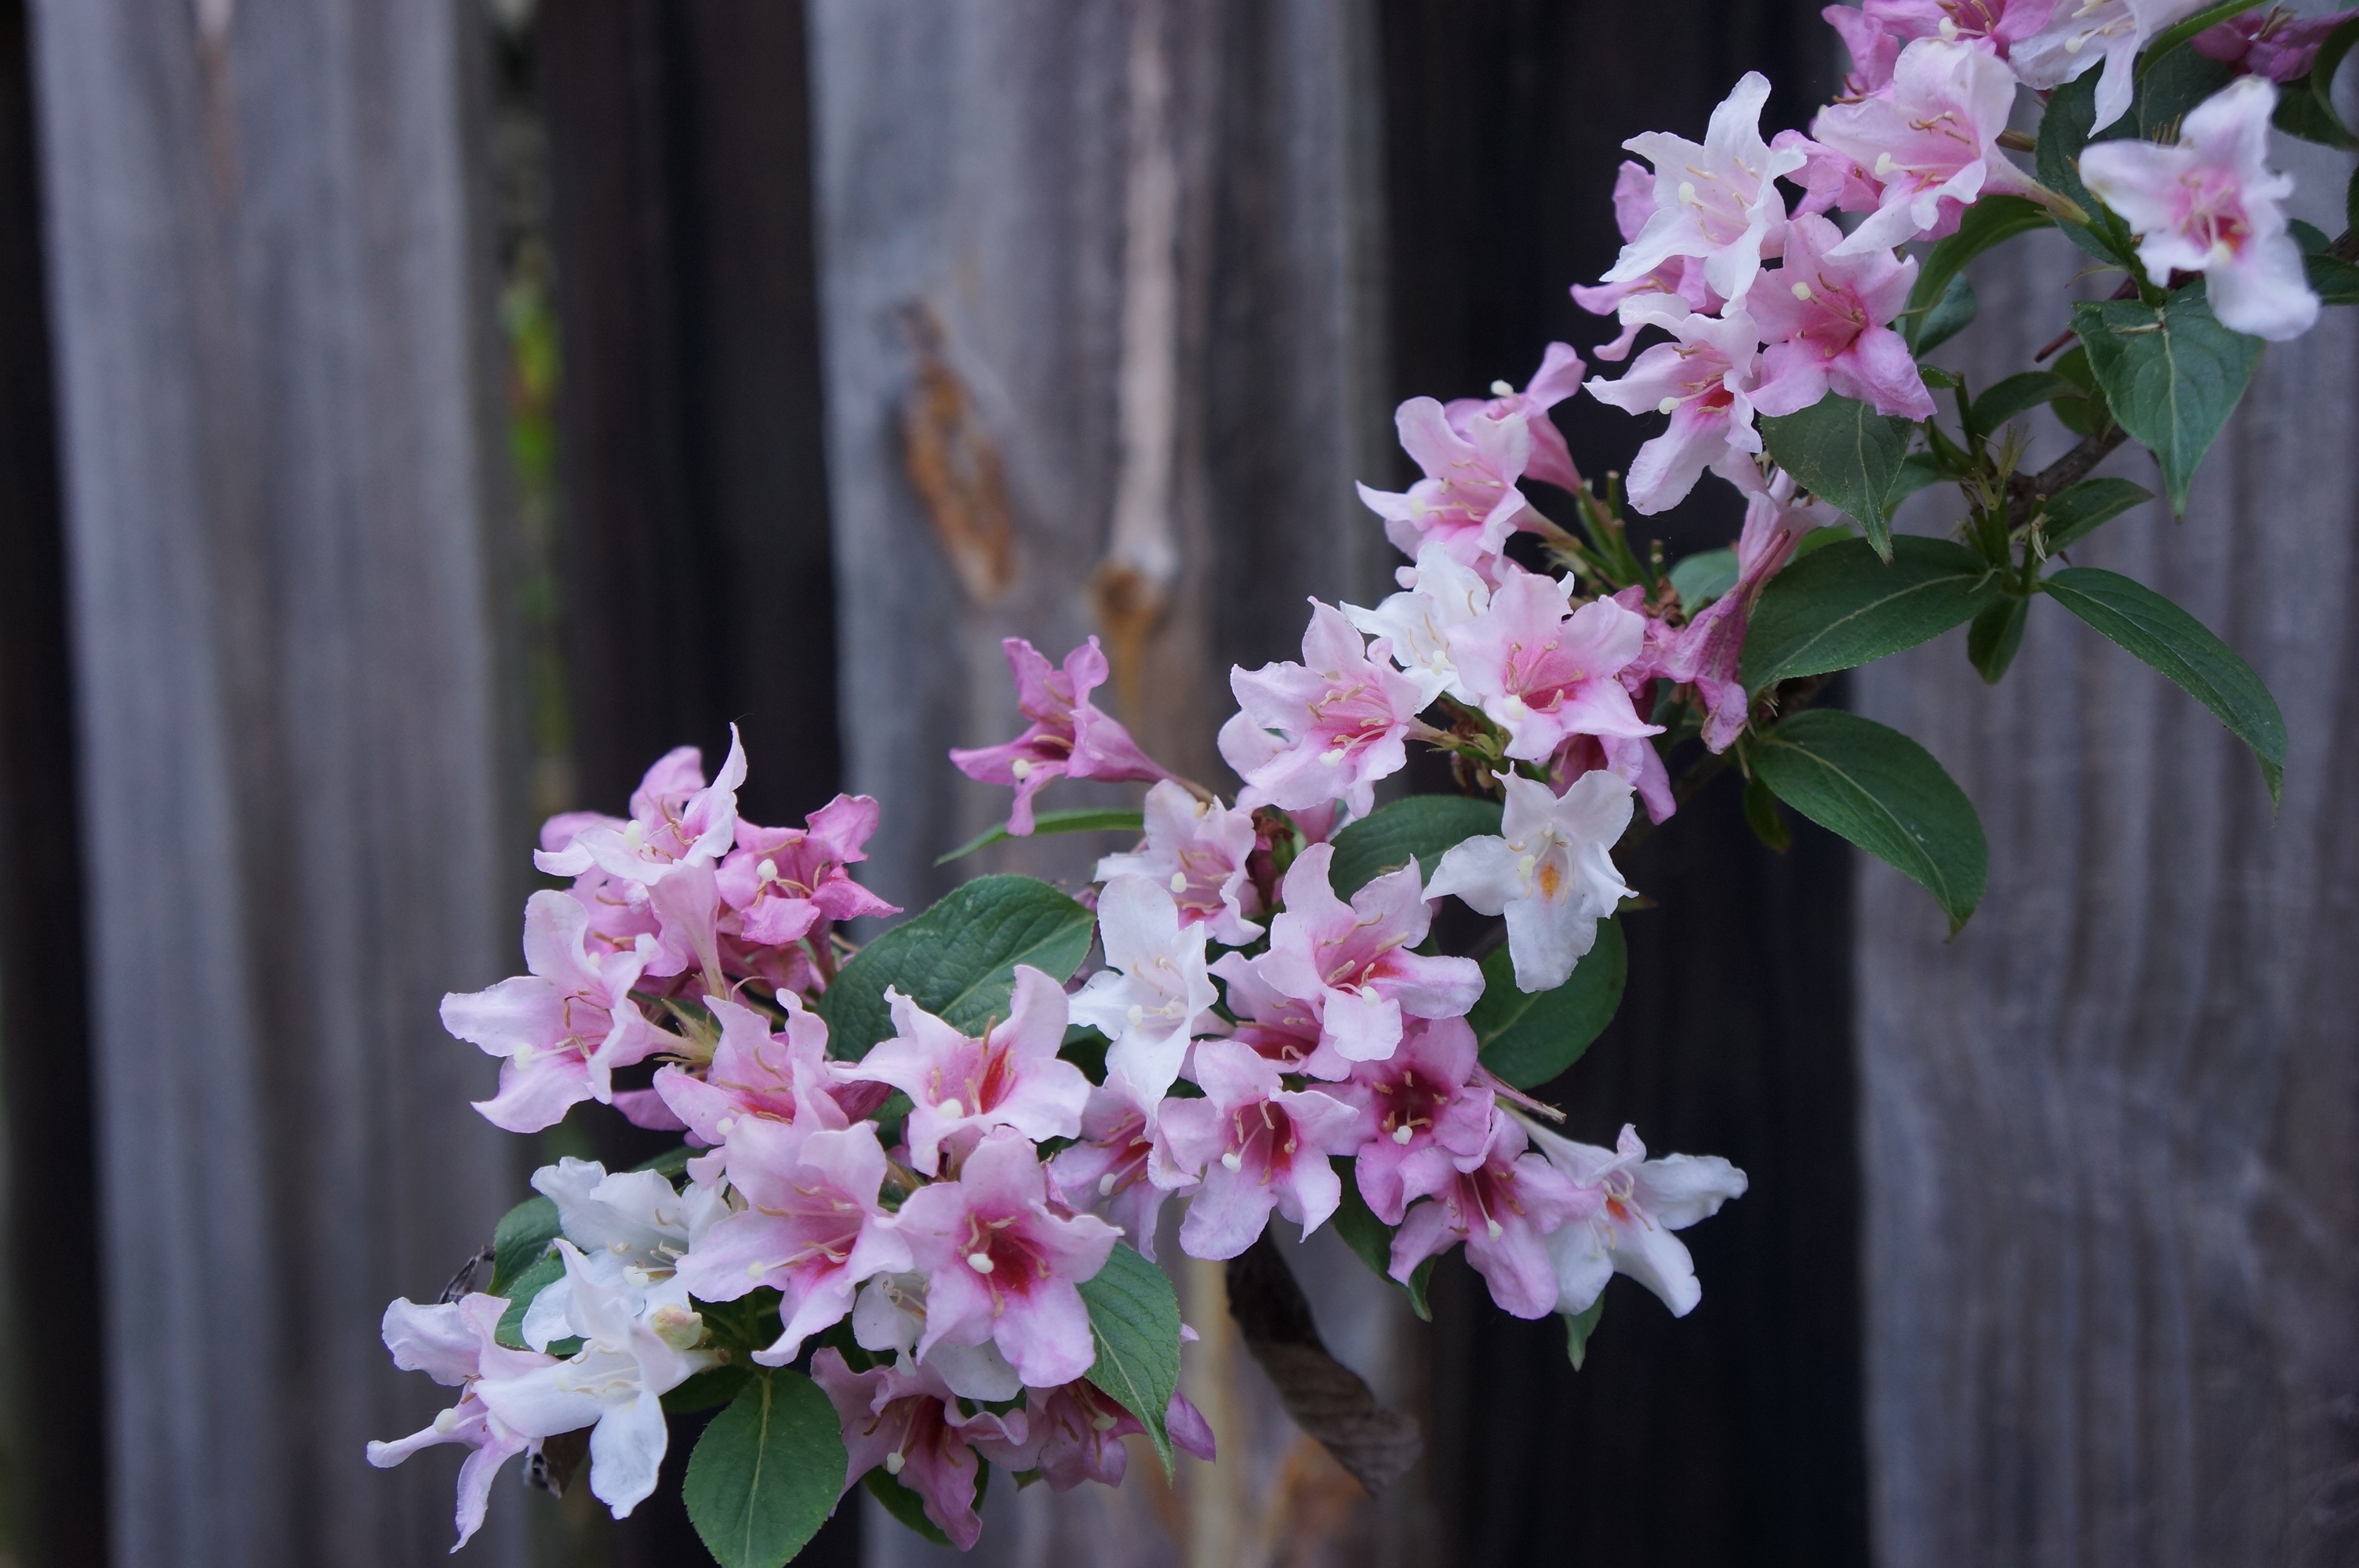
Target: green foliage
{"points": [[958, 960], [1987, 223], [1997, 633], [1886, 793], [714, 1386], [1579, 1326], [1946, 317], [520, 1292], [766, 1472], [2173, 375], [2073, 514], [1844, 607], [1135, 1318], [2183, 648], [2064, 131], [1078, 819], [2336, 281], [1849, 455], [1529, 1037], [2322, 68], [2160, 46], [2089, 415], [523, 1240], [1762, 815], [1372, 1239], [1704, 577], [1422, 827], [2017, 396]]}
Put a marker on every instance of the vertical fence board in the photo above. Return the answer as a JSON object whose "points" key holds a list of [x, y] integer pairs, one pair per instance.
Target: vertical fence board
{"points": [[266, 311]]}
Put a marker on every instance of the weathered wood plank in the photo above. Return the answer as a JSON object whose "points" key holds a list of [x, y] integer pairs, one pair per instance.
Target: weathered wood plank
{"points": [[265, 298], [2109, 1130]]}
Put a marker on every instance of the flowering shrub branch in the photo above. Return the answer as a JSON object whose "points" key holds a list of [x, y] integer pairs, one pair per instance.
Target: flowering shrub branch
{"points": [[907, 1237]]}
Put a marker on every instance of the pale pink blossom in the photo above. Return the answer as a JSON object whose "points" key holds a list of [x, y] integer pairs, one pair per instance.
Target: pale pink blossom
{"points": [[1876, 31], [1001, 1265], [907, 1421], [2212, 205], [1422, 1119], [889, 1315], [783, 1077], [1467, 502], [1120, 1166], [1557, 378], [1872, 45], [1200, 849], [1929, 138], [2082, 33], [677, 819], [959, 1086], [1324, 730], [1258, 1146], [1633, 760], [1831, 181], [1825, 321], [1704, 382], [1068, 737], [454, 1344], [2274, 43], [1075, 1433], [1354, 963], [1678, 277], [560, 1031], [1628, 1229], [1415, 624], [1549, 870], [1546, 674], [1275, 1026], [1719, 202], [634, 1228], [782, 883], [1157, 995], [1504, 1208]]}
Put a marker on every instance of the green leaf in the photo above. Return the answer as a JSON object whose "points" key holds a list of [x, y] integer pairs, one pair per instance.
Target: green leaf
{"points": [[2326, 63], [714, 1386], [1135, 1318], [2159, 47], [2183, 648], [2093, 414], [1579, 1326], [2074, 514], [1886, 793], [1423, 826], [958, 960], [1704, 577], [1997, 633], [520, 1292], [2019, 394], [2335, 280], [1372, 1239], [671, 1164], [2171, 373], [1529, 1037], [1844, 607], [1847, 454], [1077, 819], [1992, 220], [2064, 131], [1761, 814], [522, 1239], [2299, 113], [766, 1472], [1946, 317]]}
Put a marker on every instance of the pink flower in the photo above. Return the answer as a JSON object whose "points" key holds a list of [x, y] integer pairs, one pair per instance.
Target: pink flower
{"points": [[780, 1077], [1682, 276], [1705, 652], [783, 881], [1156, 994], [2079, 34], [1120, 1164], [1001, 1265], [454, 1344], [2212, 205], [910, 1423], [1830, 179], [1930, 139], [1718, 201], [2273, 43], [1198, 848], [1275, 1026], [564, 1028], [1258, 1146], [960, 1086], [1074, 1434], [1504, 1208], [1557, 378], [1340, 721], [1467, 502], [1875, 32], [1549, 870], [1420, 1118], [1353, 963], [812, 1228], [1068, 737], [676, 819], [1546, 676], [1872, 46], [1628, 1229], [1704, 382], [1824, 319]]}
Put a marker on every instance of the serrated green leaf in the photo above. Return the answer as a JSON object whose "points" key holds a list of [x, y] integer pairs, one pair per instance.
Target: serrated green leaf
{"points": [[958, 960], [523, 1240], [1990, 222], [1077, 819], [766, 1473], [1703, 576], [2173, 375], [1423, 826], [1134, 1319], [1844, 607], [1762, 815], [2017, 396], [1371, 1239], [1886, 793], [1528, 1038], [2074, 514], [2164, 635], [1579, 1326], [1847, 454], [1995, 635], [535, 1279]]}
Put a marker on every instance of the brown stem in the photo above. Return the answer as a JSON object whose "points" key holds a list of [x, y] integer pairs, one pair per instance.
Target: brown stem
{"points": [[1326, 1399], [2026, 492]]}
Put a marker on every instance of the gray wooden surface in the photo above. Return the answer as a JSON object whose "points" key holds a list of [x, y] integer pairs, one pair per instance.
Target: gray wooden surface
{"points": [[2112, 1131], [1101, 357], [265, 296]]}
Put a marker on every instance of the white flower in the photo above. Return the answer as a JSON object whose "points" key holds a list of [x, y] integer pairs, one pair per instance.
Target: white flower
{"points": [[890, 1314], [1719, 202], [1162, 995], [1550, 872], [1642, 1201], [632, 1228], [1442, 593], [2083, 32]]}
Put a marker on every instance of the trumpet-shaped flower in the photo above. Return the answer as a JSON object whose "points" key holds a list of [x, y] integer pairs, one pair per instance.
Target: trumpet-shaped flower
{"points": [[1278, 1026], [1120, 1166], [1551, 871], [1627, 1230], [909, 1422], [1557, 378], [1324, 730], [1258, 1146], [1199, 849], [1704, 382], [633, 1230], [1824, 319], [1073, 1433], [784, 1077], [454, 1343], [1706, 652], [782, 883], [1545, 675], [2082, 33], [1504, 1208], [2212, 204], [2273, 43], [1719, 202], [1068, 737], [1640, 300], [1158, 994], [889, 1315], [561, 1031], [1353, 963], [1929, 140], [1002, 1265], [1421, 1118], [960, 1086], [677, 819], [1438, 593]]}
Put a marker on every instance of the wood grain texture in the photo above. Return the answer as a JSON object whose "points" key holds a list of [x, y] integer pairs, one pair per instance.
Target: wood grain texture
{"points": [[266, 303], [2111, 1130]]}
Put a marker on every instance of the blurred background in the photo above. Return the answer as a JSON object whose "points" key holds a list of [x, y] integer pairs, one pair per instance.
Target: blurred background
{"points": [[415, 416]]}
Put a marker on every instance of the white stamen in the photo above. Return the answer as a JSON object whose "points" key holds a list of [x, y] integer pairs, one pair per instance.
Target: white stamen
{"points": [[1233, 1160], [1021, 767], [1801, 291], [1496, 1230], [768, 871], [951, 1108], [1667, 406], [1178, 882], [1403, 1134], [1882, 165], [1105, 1186], [892, 1463], [1687, 191], [1501, 389], [980, 1262]]}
